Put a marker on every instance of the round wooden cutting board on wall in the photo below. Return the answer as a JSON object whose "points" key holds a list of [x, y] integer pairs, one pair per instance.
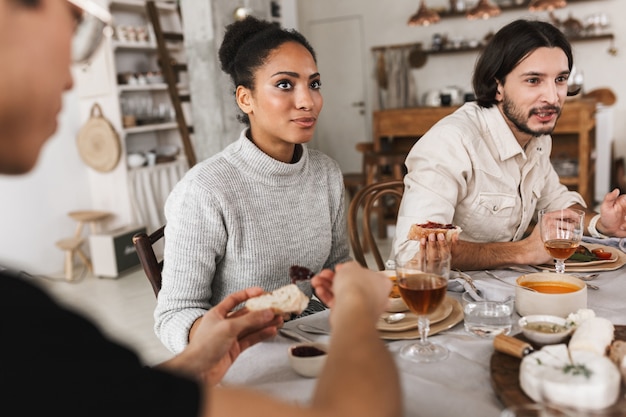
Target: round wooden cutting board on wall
{"points": [[98, 143]]}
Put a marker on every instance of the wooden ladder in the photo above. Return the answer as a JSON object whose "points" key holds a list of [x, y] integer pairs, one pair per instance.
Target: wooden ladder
{"points": [[171, 69]]}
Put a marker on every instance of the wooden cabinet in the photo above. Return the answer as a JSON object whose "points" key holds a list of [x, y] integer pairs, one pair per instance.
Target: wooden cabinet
{"points": [[573, 138]]}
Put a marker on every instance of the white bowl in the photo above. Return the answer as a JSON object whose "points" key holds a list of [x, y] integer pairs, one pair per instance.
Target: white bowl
{"points": [[303, 363], [167, 150], [529, 303], [135, 160], [545, 329], [396, 304]]}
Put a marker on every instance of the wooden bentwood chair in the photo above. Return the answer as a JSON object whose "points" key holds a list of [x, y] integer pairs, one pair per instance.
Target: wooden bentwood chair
{"points": [[144, 244], [367, 202]]}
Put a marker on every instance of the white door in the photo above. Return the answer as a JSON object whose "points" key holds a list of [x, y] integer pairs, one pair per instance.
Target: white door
{"points": [[338, 45]]}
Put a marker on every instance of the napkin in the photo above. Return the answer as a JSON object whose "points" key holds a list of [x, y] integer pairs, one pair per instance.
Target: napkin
{"points": [[462, 282], [616, 242]]}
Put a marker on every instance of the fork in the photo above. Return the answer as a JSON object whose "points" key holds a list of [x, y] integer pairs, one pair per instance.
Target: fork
{"points": [[470, 281]]}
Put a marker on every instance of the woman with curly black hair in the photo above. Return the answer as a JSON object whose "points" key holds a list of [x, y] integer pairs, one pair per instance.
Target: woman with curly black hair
{"points": [[242, 217]]}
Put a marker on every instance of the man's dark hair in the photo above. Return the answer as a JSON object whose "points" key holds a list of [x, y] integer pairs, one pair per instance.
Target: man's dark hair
{"points": [[507, 48]]}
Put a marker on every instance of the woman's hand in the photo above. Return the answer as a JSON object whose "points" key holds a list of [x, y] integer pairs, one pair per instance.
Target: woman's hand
{"points": [[221, 335], [323, 286]]}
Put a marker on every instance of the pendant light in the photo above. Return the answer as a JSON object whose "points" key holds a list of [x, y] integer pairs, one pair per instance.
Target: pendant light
{"points": [[483, 10], [424, 16], [546, 5], [242, 12]]}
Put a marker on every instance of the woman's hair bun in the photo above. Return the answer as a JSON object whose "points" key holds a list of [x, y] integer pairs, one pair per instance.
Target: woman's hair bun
{"points": [[236, 35]]}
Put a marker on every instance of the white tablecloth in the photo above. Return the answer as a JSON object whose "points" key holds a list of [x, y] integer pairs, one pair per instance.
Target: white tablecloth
{"points": [[458, 386]]}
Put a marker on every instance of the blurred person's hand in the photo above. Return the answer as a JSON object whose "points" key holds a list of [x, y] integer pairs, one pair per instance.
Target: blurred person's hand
{"points": [[352, 282]]}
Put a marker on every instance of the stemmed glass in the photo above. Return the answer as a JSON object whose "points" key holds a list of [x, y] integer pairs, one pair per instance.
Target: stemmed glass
{"points": [[561, 232], [422, 272]]}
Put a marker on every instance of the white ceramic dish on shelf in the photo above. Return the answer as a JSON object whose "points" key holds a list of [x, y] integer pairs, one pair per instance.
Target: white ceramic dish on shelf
{"points": [[135, 160]]}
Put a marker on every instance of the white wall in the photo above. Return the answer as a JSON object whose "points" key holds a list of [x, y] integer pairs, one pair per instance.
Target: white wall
{"points": [[385, 24], [34, 207]]}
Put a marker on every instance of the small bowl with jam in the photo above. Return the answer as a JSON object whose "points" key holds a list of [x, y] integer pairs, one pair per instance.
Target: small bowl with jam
{"points": [[545, 329], [308, 358], [549, 293]]}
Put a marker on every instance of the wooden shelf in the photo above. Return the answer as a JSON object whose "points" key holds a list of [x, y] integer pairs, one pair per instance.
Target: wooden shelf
{"points": [[140, 5], [445, 13], [125, 88], [446, 51], [574, 136], [150, 128]]}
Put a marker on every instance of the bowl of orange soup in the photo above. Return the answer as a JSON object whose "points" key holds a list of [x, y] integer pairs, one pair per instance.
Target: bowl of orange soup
{"points": [[554, 294], [396, 304]]}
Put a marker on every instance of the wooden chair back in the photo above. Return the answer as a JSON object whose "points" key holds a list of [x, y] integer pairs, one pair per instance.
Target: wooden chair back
{"points": [[363, 210], [144, 244]]}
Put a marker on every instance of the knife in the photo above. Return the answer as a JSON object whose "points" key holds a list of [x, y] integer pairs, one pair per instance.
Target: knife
{"points": [[290, 334], [512, 346]]}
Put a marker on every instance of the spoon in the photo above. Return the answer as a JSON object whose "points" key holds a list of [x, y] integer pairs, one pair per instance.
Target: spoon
{"points": [[587, 277], [312, 329], [394, 318], [492, 275]]}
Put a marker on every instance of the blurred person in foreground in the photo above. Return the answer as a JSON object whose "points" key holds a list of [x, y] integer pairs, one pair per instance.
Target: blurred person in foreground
{"points": [[486, 167], [55, 362]]}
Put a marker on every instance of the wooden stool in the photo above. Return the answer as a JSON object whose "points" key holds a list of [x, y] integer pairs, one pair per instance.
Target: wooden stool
{"points": [[93, 217], [71, 246]]}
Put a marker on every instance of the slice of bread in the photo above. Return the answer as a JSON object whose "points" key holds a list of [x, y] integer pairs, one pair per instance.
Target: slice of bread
{"points": [[287, 299], [419, 231], [617, 351]]}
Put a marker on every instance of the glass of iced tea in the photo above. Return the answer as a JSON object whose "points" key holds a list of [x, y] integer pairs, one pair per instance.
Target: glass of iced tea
{"points": [[422, 272], [561, 233]]}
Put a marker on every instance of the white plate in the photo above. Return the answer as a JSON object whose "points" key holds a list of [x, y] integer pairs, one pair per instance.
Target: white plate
{"points": [[593, 266], [455, 317], [410, 321]]}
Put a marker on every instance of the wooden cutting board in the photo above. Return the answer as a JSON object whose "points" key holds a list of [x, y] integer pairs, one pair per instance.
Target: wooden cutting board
{"points": [[505, 377]]}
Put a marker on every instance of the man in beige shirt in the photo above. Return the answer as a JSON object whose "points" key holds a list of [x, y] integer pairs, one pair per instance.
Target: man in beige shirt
{"points": [[486, 167]]}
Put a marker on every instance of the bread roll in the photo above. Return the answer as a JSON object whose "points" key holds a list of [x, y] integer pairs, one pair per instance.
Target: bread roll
{"points": [[287, 299], [419, 231], [617, 353]]}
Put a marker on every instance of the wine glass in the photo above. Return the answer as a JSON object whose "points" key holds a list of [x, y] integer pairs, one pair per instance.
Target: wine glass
{"points": [[561, 232], [422, 272]]}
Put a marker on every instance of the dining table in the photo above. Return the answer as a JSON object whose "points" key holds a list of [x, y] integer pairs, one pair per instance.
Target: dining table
{"points": [[459, 385]]}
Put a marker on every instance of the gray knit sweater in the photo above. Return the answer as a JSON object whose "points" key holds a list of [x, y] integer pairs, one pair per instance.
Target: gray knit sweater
{"points": [[241, 219]]}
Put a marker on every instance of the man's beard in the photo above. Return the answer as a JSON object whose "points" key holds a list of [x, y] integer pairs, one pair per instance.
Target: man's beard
{"points": [[521, 121]]}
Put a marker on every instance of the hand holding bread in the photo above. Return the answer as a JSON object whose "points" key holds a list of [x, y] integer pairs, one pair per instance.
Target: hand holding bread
{"points": [[423, 230], [284, 300]]}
